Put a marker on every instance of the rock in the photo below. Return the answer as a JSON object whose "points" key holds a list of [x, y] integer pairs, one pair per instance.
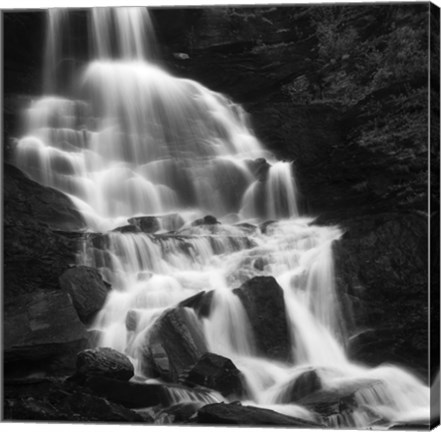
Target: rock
{"points": [[247, 228], [132, 320], [87, 290], [200, 303], [331, 404], [262, 298], [237, 414], [104, 362], [304, 384], [176, 343], [184, 412], [38, 202], [259, 168], [264, 226], [382, 281], [42, 331], [218, 373], [55, 400], [127, 229], [127, 393], [206, 220], [147, 224]]}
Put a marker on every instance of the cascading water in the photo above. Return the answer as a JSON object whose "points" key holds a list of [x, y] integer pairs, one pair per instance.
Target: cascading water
{"points": [[138, 142]]}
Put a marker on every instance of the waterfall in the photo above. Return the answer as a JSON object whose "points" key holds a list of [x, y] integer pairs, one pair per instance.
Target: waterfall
{"points": [[136, 141]]}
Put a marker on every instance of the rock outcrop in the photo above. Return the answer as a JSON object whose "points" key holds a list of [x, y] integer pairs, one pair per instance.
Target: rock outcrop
{"points": [[262, 298], [87, 290]]}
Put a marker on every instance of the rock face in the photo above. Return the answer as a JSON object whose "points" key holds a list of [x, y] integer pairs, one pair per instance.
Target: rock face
{"points": [[175, 343], [86, 289], [218, 373], [105, 362], [42, 332], [147, 224], [236, 414], [381, 271], [262, 298]]}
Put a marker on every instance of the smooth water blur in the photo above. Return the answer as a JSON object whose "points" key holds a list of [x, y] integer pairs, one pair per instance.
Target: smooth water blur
{"points": [[137, 141]]}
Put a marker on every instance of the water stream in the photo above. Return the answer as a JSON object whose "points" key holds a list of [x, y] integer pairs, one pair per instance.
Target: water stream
{"points": [[137, 141]]}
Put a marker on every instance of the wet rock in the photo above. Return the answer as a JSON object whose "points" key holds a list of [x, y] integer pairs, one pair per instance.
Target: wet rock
{"points": [[132, 320], [259, 168], [200, 303], [218, 373], [38, 202], [127, 229], [56, 400], [184, 412], [171, 222], [128, 393], [35, 222], [87, 290], [147, 224], [177, 341], [247, 228], [104, 362], [303, 385], [264, 226], [332, 404], [262, 298], [237, 414], [206, 220], [382, 278], [42, 331]]}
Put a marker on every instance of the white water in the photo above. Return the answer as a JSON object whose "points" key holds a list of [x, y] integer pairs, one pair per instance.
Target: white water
{"points": [[138, 141]]}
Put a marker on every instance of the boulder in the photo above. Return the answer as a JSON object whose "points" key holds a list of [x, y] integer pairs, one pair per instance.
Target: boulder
{"points": [[304, 384], [262, 298], [259, 168], [132, 320], [331, 404], [206, 220], [37, 202], [128, 393], [42, 331], [176, 343], [200, 303], [218, 373], [56, 400], [105, 362], [127, 229], [87, 290], [147, 224], [237, 414]]}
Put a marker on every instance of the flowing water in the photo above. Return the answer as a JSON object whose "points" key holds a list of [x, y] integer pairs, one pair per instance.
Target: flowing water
{"points": [[137, 141]]}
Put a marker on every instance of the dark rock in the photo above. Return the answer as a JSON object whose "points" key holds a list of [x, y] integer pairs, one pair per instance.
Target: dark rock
{"points": [[262, 298], [382, 280], [259, 168], [247, 228], [43, 331], [87, 290], [264, 226], [132, 320], [303, 385], [127, 229], [200, 303], [38, 202], [333, 404], [176, 343], [55, 400], [236, 414], [260, 263], [147, 224], [184, 412], [104, 362], [206, 220], [218, 373], [127, 393]]}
